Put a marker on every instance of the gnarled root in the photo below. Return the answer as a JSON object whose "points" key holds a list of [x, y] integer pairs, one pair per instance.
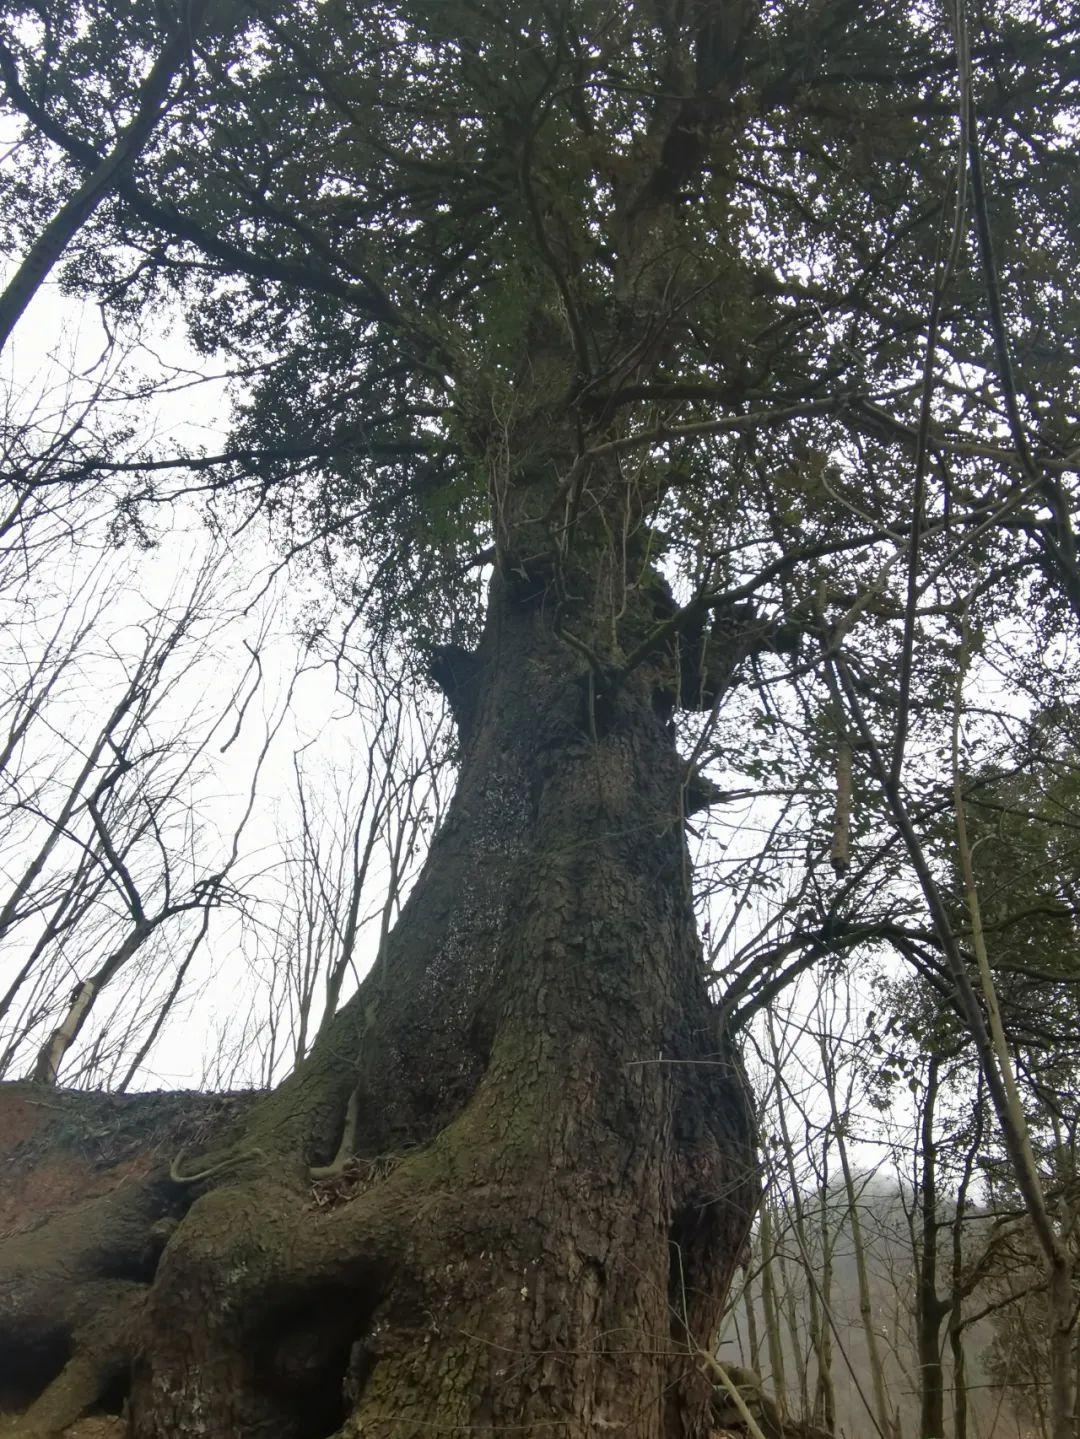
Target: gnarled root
{"points": [[257, 1305], [73, 1282], [71, 1293], [103, 1346], [211, 1171]]}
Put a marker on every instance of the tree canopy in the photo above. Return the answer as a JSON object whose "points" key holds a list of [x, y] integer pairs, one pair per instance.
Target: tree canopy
{"points": [[735, 257]]}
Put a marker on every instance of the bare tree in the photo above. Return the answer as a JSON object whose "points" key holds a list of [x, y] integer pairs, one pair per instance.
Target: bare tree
{"points": [[350, 844]]}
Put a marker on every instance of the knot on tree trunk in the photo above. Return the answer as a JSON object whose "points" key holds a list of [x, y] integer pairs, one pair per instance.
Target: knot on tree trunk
{"points": [[456, 671]]}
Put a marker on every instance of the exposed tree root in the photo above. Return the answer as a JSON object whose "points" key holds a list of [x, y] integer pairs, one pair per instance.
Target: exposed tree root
{"points": [[74, 1281], [103, 1348], [229, 1162], [347, 1146]]}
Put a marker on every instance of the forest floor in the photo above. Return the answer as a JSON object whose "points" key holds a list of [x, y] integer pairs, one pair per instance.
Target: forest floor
{"points": [[100, 1427]]}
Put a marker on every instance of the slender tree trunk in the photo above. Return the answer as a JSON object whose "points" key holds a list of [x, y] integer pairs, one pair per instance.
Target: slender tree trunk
{"points": [[753, 1343], [866, 1314], [930, 1310], [959, 1365], [825, 1393], [167, 1004], [817, 1323], [962, 1285], [771, 1309], [52, 1052], [1005, 1092], [802, 1344]]}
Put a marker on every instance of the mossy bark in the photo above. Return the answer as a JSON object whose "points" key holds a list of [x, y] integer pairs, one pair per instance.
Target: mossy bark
{"points": [[559, 1138]]}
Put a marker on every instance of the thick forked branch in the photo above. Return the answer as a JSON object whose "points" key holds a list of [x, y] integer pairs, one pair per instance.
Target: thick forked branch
{"points": [[709, 657], [170, 219]]}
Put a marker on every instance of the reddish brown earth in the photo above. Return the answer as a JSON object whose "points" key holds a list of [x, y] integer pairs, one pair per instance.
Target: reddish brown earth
{"points": [[61, 1147], [61, 1150], [37, 1184]]}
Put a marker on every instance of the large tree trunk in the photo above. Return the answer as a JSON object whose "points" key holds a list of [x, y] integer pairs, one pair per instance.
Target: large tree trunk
{"points": [[553, 1151]]}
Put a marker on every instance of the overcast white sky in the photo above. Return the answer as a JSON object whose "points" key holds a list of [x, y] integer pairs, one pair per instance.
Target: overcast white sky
{"points": [[54, 339]]}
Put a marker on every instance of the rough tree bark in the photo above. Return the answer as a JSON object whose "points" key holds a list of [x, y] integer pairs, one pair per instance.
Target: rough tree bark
{"points": [[552, 1133]]}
